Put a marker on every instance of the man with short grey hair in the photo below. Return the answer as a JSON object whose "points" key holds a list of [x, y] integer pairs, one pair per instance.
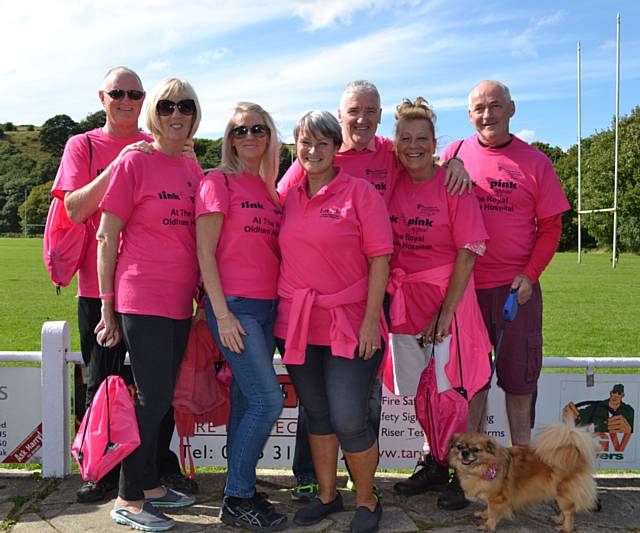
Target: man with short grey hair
{"points": [[522, 202]]}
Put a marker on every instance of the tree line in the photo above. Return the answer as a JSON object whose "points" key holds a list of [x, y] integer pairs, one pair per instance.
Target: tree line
{"points": [[22, 174]]}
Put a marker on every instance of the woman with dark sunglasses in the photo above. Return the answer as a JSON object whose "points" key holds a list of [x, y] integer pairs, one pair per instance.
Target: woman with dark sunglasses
{"points": [[147, 284], [237, 225]]}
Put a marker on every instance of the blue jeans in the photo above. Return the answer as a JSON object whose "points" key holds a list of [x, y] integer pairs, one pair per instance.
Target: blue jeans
{"points": [[256, 396]]}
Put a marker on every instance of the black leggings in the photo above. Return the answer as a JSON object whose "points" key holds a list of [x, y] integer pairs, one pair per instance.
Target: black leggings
{"points": [[335, 394], [156, 346]]}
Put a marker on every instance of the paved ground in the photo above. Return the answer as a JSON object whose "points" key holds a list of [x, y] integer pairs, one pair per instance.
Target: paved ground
{"points": [[30, 504]]}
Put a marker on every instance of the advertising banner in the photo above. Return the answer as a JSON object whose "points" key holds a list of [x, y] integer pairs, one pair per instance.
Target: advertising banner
{"points": [[20, 418], [401, 437]]}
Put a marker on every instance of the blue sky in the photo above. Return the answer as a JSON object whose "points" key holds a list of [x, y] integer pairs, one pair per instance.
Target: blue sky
{"points": [[298, 55]]}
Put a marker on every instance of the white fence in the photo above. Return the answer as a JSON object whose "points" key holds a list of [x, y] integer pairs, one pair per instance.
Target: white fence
{"points": [[55, 397]]}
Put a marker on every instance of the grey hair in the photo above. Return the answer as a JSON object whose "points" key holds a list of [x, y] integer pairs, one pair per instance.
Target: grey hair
{"points": [[503, 88], [118, 70], [360, 86], [319, 124]]}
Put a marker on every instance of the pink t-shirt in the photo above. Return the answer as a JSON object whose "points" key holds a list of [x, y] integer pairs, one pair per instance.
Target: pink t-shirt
{"points": [[325, 242], [248, 256], [379, 167], [429, 227], [74, 173], [515, 185], [157, 269]]}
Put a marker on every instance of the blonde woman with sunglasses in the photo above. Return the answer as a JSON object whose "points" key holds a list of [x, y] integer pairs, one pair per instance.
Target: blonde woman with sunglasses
{"points": [[237, 225], [147, 285]]}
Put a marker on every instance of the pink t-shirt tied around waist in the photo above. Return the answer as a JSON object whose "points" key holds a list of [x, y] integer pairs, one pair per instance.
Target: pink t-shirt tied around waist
{"points": [[516, 185], [326, 242], [248, 255], [157, 268], [78, 167], [429, 228]]}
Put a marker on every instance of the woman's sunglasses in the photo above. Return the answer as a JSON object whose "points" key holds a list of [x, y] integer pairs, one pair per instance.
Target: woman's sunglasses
{"points": [[166, 107], [257, 130], [118, 94]]}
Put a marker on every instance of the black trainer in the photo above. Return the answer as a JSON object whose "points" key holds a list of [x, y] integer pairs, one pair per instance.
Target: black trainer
{"points": [[177, 481], [366, 521], [316, 511], [429, 475], [91, 492], [453, 499], [255, 514]]}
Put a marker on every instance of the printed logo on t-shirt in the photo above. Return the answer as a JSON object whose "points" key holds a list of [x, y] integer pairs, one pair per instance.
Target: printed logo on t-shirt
{"points": [[377, 178], [331, 212], [510, 172], [251, 205]]}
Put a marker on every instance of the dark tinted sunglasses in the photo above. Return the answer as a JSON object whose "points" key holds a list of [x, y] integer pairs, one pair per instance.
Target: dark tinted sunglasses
{"points": [[118, 94], [166, 107], [257, 130]]}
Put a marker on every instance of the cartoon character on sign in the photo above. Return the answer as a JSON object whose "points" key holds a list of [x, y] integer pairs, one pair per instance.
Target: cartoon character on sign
{"points": [[608, 417]]}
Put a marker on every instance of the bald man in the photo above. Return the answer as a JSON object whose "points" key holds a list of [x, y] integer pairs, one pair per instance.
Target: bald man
{"points": [[522, 203]]}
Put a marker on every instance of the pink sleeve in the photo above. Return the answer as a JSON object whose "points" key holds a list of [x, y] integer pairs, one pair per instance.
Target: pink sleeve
{"points": [[548, 235], [120, 196], [291, 178], [213, 194], [74, 171], [551, 199], [377, 237], [467, 224]]}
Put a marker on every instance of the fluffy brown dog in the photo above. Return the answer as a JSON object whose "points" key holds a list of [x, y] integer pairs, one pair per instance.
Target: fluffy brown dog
{"points": [[559, 466]]}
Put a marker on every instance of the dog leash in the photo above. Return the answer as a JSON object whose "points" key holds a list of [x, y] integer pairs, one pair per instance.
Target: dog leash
{"points": [[509, 313]]}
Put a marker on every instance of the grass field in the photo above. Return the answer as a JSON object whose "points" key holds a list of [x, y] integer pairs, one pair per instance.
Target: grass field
{"points": [[589, 309]]}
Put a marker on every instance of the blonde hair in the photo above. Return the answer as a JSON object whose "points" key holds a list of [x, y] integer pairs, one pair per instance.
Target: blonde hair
{"points": [[270, 163], [419, 109], [171, 89]]}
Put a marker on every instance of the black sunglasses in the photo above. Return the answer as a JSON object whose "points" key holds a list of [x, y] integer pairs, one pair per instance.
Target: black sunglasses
{"points": [[166, 107], [257, 130], [118, 94]]}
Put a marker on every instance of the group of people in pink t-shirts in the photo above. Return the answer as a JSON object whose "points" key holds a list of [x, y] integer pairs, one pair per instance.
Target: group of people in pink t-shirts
{"points": [[362, 236]]}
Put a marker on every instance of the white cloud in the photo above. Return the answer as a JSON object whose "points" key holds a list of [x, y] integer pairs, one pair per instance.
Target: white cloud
{"points": [[526, 135], [319, 14], [210, 56], [524, 45], [157, 65]]}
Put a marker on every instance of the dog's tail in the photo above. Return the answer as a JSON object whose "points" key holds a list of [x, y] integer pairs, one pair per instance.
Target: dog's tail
{"points": [[571, 450]]}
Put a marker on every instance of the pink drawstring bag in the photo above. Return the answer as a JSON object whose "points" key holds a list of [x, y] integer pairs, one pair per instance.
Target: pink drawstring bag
{"points": [[200, 394], [441, 414], [65, 242], [64, 246], [109, 430]]}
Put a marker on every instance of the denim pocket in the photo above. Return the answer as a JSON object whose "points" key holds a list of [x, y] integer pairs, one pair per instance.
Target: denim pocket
{"points": [[534, 358]]}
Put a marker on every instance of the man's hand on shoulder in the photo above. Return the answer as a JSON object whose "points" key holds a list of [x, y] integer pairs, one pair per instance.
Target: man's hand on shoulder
{"points": [[524, 286], [457, 180]]}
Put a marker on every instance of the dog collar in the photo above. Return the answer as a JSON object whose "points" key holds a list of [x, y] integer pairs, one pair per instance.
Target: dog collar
{"points": [[491, 472]]}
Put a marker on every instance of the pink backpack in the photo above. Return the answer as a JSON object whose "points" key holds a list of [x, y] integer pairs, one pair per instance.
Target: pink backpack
{"points": [[201, 394], [109, 430], [65, 242]]}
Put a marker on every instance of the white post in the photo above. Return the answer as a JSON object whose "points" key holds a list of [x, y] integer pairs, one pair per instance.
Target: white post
{"points": [[614, 257], [579, 158], [56, 459]]}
